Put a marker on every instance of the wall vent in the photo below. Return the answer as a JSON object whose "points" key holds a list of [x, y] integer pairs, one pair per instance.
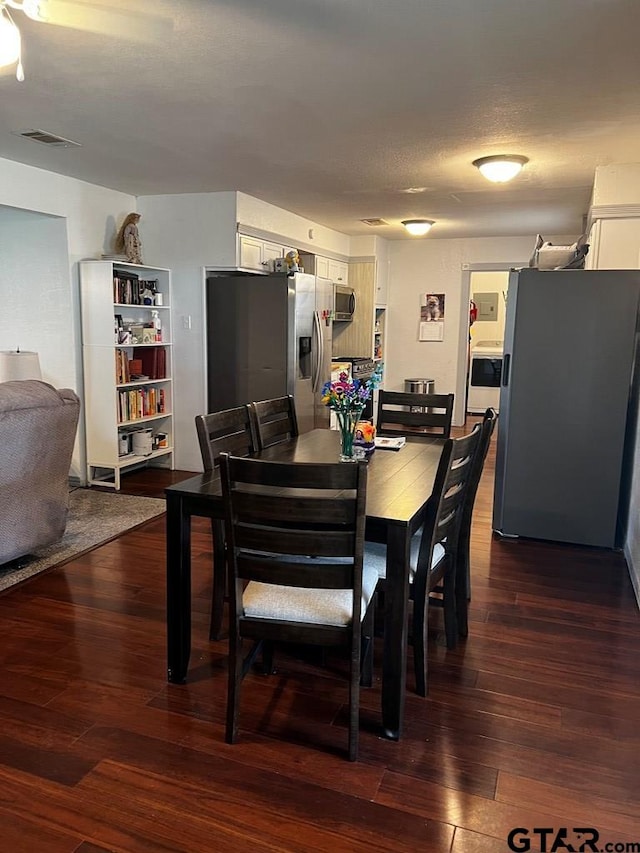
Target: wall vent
{"points": [[47, 138], [374, 221]]}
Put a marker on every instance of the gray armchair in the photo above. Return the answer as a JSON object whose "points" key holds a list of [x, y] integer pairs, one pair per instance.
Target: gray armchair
{"points": [[37, 431]]}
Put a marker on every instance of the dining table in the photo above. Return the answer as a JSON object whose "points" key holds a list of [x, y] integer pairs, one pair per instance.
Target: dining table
{"points": [[399, 485]]}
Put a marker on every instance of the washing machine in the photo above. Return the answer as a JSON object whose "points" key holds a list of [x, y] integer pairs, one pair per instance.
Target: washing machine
{"points": [[485, 374]]}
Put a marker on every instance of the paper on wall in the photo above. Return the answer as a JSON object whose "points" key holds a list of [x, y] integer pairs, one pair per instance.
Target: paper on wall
{"points": [[433, 331]]}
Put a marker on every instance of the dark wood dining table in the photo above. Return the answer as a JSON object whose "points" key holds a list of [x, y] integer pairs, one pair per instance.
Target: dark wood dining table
{"points": [[399, 484]]}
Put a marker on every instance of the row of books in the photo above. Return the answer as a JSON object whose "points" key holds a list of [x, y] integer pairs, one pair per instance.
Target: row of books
{"points": [[131, 290], [146, 363], [140, 403], [123, 373]]}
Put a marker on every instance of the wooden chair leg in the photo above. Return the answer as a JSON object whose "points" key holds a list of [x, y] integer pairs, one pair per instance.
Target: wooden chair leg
{"points": [[219, 584], [354, 703], [449, 606], [366, 677], [420, 613], [267, 657], [462, 599], [233, 689]]}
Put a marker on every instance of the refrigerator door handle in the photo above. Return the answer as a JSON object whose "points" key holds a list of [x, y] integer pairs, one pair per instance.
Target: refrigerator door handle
{"points": [[506, 364], [318, 349]]}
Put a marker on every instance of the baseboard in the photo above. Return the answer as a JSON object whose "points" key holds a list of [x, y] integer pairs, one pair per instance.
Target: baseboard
{"points": [[634, 574]]}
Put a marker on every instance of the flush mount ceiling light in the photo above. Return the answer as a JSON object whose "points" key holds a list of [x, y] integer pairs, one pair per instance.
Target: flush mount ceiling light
{"points": [[418, 227], [10, 42], [500, 168]]}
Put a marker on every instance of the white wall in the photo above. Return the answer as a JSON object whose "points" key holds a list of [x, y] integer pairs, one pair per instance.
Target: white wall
{"points": [[436, 266], [188, 233], [90, 214], [35, 291], [300, 231]]}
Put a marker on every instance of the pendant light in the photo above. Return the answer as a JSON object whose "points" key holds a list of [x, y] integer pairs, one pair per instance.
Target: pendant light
{"points": [[418, 227], [500, 168]]}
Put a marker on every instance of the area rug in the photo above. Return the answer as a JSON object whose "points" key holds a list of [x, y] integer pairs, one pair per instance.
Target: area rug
{"points": [[94, 518]]}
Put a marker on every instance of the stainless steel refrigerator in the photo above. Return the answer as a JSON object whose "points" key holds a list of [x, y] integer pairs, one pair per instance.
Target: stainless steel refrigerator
{"points": [[268, 336], [568, 405]]}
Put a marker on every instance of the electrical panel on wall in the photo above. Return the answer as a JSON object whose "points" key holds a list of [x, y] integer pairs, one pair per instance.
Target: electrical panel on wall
{"points": [[487, 305]]}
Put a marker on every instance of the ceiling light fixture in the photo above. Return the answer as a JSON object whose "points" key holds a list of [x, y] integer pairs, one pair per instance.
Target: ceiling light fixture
{"points": [[418, 227], [10, 41], [500, 168]]}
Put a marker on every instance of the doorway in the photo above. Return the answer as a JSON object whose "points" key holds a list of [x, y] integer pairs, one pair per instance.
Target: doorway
{"points": [[489, 283]]}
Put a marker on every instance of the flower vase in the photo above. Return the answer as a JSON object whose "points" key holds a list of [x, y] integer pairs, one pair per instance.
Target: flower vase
{"points": [[347, 421]]}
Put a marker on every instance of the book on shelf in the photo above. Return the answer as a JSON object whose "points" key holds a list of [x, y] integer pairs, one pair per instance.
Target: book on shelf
{"points": [[137, 403], [122, 367], [390, 442], [153, 361]]}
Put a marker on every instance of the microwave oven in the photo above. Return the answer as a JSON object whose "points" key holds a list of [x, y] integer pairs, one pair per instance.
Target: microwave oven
{"points": [[344, 303]]}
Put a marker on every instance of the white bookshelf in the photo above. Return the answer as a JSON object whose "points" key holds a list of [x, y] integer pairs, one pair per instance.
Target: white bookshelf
{"points": [[107, 401]]}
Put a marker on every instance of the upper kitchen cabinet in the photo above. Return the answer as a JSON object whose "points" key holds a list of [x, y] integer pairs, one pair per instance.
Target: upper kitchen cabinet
{"points": [[259, 255], [336, 271]]}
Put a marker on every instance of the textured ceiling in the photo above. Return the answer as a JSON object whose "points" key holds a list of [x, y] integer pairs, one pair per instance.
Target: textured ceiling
{"points": [[334, 108]]}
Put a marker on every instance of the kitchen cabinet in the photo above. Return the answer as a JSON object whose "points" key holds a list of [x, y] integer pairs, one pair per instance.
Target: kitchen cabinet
{"points": [[356, 338], [336, 271], [126, 352], [259, 255], [614, 244]]}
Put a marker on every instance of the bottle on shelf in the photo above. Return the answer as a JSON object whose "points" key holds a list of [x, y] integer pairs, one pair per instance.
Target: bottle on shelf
{"points": [[157, 325]]}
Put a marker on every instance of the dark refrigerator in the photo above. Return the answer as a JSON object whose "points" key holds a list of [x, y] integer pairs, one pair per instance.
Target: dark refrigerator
{"points": [[268, 336], [568, 405]]}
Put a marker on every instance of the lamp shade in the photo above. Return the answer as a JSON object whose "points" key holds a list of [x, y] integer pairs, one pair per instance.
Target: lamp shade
{"points": [[500, 168], [19, 365], [418, 227]]}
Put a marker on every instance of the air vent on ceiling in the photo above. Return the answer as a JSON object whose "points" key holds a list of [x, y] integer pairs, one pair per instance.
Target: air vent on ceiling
{"points": [[374, 221], [48, 138]]}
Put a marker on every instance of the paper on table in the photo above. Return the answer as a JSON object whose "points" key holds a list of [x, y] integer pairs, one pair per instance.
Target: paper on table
{"points": [[385, 442]]}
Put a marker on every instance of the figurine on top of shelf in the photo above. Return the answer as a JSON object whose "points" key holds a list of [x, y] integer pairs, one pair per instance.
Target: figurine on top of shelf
{"points": [[128, 239], [293, 261]]}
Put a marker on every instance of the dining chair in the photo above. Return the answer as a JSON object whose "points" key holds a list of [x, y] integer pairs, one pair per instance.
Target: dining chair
{"points": [[432, 563], [229, 431], [417, 414], [463, 560], [274, 420], [295, 534]]}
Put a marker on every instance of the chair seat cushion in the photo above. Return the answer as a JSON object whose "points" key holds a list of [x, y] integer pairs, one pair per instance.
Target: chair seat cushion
{"points": [[375, 556], [298, 604]]}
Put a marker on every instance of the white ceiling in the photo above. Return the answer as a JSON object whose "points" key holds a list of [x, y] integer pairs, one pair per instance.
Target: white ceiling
{"points": [[334, 108]]}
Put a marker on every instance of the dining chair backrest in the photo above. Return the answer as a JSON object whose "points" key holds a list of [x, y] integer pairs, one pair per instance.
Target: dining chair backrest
{"points": [[453, 479], [274, 420], [228, 431], [436, 563], [463, 570], [417, 414], [295, 533]]}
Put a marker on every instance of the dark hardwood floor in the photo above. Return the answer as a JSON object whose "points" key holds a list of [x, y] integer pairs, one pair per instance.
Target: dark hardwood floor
{"points": [[534, 721]]}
